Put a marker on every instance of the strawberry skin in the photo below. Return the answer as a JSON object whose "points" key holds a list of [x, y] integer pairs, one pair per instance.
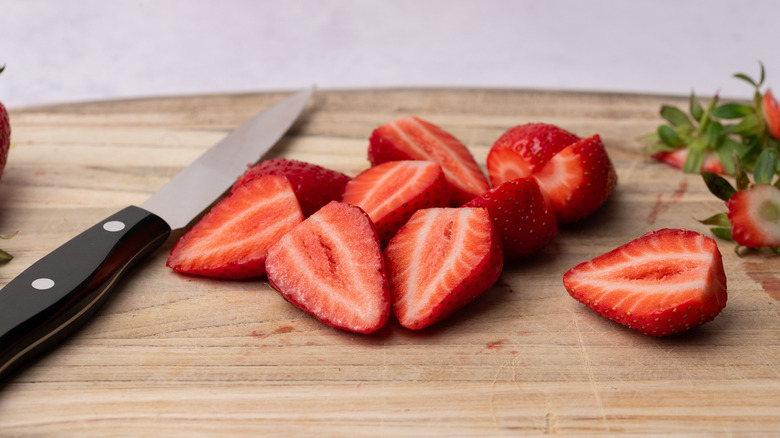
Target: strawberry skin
{"points": [[390, 192], [771, 111], [331, 267], [5, 137], [439, 261], [755, 216], [314, 185], [232, 239], [664, 282], [412, 138], [521, 214], [578, 179], [524, 149]]}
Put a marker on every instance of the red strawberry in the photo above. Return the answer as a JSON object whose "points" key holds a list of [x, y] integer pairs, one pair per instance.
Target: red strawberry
{"points": [[524, 149], [521, 215], [755, 216], [314, 185], [232, 240], [5, 145], [439, 261], [664, 282], [331, 267], [676, 158], [390, 192], [771, 111], [412, 138], [578, 179]]}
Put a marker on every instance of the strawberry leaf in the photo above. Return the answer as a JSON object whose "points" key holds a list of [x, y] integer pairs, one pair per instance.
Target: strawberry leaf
{"points": [[723, 233], [669, 136], [766, 167], [675, 116], [695, 158], [731, 111], [718, 185], [695, 108], [720, 219]]}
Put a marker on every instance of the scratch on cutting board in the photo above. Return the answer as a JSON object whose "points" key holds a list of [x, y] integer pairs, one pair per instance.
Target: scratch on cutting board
{"points": [[589, 370]]}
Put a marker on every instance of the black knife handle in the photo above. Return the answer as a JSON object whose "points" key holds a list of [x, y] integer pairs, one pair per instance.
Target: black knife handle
{"points": [[57, 294]]}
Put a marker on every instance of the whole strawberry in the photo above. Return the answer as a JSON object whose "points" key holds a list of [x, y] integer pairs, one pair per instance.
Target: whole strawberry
{"points": [[753, 217], [5, 144]]}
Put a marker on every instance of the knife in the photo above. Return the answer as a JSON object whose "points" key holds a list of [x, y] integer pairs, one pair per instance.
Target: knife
{"points": [[57, 294]]}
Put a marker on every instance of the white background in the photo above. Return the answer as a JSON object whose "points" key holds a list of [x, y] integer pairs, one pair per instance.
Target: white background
{"points": [[64, 51]]}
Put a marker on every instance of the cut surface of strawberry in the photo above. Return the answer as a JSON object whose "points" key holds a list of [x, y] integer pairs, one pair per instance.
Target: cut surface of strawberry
{"points": [[663, 282], [676, 158], [578, 179], [755, 216], [412, 138], [314, 185], [390, 192], [232, 239], [331, 267], [522, 216], [439, 261], [524, 149]]}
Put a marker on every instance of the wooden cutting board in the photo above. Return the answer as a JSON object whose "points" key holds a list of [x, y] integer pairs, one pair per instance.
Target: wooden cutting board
{"points": [[172, 355]]}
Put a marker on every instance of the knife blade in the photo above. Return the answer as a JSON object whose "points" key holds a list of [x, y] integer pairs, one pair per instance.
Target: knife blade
{"points": [[57, 294]]}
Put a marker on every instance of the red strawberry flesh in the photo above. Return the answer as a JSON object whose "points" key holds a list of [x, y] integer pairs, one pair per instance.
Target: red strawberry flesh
{"points": [[664, 282], [412, 138], [524, 149], [232, 240], [331, 267], [439, 261], [771, 111], [390, 192], [521, 214]]}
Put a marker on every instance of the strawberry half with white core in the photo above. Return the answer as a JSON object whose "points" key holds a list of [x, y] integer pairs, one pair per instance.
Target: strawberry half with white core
{"points": [[578, 179], [391, 192], [524, 149], [521, 215], [664, 282], [439, 261], [412, 138], [232, 239], [331, 267], [314, 185], [753, 217]]}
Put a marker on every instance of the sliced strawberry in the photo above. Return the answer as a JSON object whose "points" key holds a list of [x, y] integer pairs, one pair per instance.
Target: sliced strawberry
{"points": [[231, 240], [439, 261], [314, 185], [524, 149], [755, 216], [664, 282], [412, 138], [331, 267], [771, 111], [521, 215], [578, 179], [390, 192], [676, 158]]}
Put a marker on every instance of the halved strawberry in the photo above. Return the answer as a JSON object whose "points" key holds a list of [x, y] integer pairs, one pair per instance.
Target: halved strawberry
{"points": [[439, 261], [664, 282], [755, 216], [578, 179], [521, 215], [331, 267], [771, 111], [676, 158], [390, 192], [412, 138], [232, 239], [524, 149], [314, 185]]}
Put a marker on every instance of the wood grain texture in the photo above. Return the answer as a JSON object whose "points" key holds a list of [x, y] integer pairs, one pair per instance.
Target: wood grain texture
{"points": [[173, 355]]}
